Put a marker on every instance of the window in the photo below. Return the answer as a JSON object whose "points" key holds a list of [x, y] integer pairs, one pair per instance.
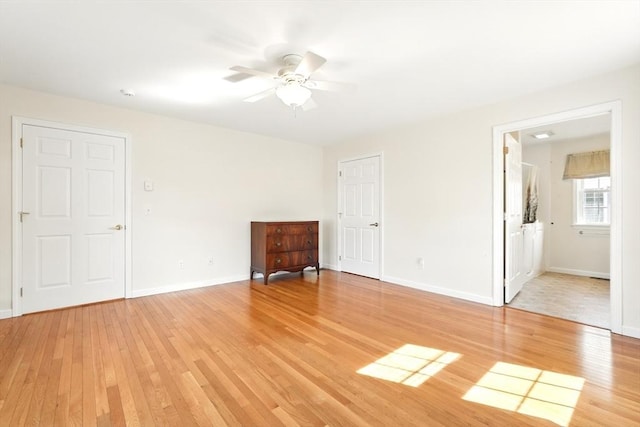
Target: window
{"points": [[592, 201]]}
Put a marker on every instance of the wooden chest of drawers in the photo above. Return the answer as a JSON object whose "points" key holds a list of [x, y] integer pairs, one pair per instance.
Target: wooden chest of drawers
{"points": [[283, 246]]}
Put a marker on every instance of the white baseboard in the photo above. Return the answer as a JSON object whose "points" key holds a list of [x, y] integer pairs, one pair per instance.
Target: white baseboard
{"points": [[5, 314], [631, 332], [186, 286], [329, 267], [584, 273], [439, 290], [200, 284]]}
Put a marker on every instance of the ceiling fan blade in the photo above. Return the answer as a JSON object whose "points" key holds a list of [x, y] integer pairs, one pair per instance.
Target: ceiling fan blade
{"points": [[237, 77], [330, 86], [309, 63], [309, 105], [251, 71], [261, 95]]}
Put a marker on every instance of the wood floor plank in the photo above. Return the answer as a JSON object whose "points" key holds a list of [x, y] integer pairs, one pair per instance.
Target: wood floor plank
{"points": [[61, 417], [30, 399], [48, 371], [76, 391], [289, 353], [18, 386], [164, 377], [98, 362], [118, 353], [91, 368]]}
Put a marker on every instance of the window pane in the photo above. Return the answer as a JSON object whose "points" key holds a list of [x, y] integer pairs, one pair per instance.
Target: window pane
{"points": [[593, 215], [592, 200], [590, 183], [596, 183]]}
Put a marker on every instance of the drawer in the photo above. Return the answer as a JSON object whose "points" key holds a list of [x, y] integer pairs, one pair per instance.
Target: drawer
{"points": [[303, 257], [291, 242], [287, 229], [290, 259]]}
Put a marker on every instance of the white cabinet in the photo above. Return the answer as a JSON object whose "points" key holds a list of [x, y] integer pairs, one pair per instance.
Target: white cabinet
{"points": [[538, 249], [533, 242]]}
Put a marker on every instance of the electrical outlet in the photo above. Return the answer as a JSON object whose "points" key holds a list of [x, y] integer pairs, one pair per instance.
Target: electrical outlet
{"points": [[181, 264], [210, 260]]}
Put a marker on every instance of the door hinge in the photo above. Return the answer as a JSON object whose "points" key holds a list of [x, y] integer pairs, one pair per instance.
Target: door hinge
{"points": [[20, 142], [339, 257], [505, 150], [21, 292], [340, 173]]}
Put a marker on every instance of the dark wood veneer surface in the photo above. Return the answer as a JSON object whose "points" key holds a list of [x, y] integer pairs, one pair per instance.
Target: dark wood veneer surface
{"points": [[283, 246]]}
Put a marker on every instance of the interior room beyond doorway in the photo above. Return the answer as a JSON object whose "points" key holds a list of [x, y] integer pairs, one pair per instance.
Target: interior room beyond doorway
{"points": [[566, 223]]}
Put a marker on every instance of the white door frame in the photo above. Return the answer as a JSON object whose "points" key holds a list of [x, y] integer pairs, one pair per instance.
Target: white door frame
{"points": [[615, 109], [16, 201], [339, 204]]}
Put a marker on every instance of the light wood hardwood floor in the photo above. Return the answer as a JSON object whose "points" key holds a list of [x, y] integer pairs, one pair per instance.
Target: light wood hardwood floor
{"points": [[289, 354]]}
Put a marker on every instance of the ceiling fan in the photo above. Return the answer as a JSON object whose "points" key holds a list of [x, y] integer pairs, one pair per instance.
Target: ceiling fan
{"points": [[294, 83]]}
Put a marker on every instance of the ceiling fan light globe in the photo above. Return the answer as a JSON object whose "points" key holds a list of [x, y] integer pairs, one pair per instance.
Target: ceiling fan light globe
{"points": [[293, 94]]}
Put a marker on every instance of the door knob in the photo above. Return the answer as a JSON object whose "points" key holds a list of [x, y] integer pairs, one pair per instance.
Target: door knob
{"points": [[117, 227], [375, 224]]}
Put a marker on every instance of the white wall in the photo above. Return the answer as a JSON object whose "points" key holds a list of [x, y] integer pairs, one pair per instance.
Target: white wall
{"points": [[209, 184], [566, 250], [437, 204], [438, 190], [437, 187]]}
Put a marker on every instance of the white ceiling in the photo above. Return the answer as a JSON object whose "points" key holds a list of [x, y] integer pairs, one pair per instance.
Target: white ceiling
{"points": [[410, 59], [570, 129]]}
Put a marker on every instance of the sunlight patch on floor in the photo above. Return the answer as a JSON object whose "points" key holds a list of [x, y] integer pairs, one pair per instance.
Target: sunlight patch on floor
{"points": [[529, 391], [410, 365]]}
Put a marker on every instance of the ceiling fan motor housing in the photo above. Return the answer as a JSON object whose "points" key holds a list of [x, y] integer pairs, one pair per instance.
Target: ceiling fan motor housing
{"points": [[287, 73]]}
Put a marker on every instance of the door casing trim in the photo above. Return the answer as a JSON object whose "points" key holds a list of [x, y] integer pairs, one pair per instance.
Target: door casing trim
{"points": [[17, 123], [615, 109]]}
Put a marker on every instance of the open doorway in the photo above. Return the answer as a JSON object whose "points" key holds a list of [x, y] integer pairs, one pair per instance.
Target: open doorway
{"points": [[566, 219], [613, 110]]}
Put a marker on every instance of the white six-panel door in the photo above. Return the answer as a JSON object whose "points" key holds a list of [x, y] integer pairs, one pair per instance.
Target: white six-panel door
{"points": [[73, 220], [514, 243], [359, 213]]}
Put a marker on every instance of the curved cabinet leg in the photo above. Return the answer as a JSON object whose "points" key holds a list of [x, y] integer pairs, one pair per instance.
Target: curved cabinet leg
{"points": [[266, 278], [318, 268]]}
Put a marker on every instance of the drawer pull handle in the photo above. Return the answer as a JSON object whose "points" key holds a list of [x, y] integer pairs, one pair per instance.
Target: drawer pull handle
{"points": [[278, 230], [278, 261], [309, 257], [309, 228], [308, 242], [278, 244]]}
